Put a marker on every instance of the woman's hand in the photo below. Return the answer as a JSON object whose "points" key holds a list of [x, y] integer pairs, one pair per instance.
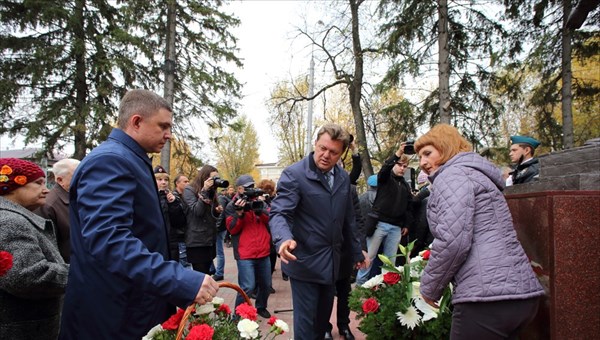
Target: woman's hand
{"points": [[431, 302], [208, 184]]}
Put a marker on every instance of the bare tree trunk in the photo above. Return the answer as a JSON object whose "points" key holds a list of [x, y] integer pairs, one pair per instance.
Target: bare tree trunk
{"points": [[81, 111], [355, 91], [444, 66], [165, 154], [567, 97]]}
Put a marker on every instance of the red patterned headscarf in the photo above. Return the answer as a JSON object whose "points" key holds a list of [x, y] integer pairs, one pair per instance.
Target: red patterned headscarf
{"points": [[15, 173]]}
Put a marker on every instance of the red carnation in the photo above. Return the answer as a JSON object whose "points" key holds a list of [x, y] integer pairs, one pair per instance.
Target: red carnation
{"points": [[272, 320], [391, 278], [174, 321], [370, 306], [426, 254], [246, 311], [201, 332], [6, 262]]}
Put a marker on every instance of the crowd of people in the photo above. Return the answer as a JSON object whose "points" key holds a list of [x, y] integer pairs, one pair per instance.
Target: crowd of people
{"points": [[111, 249]]}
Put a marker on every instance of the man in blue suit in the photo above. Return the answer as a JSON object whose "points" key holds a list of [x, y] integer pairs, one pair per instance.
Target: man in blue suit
{"points": [[310, 217], [121, 282]]}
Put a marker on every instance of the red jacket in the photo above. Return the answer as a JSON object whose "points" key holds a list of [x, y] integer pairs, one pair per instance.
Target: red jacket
{"points": [[250, 235]]}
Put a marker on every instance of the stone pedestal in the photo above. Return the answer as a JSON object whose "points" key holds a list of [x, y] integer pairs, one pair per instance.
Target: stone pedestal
{"points": [[558, 223]]}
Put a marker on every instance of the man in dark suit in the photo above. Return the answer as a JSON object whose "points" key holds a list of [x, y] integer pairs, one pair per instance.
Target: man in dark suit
{"points": [[121, 282], [314, 197], [57, 204]]}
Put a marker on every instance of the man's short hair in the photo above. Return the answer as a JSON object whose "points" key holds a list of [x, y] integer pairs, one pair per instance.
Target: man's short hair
{"points": [[64, 166], [336, 132], [142, 102]]}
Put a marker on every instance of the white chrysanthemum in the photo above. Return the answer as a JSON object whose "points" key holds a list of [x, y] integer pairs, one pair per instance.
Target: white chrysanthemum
{"points": [[416, 293], [248, 329], [375, 281], [217, 301], [417, 258], [205, 309], [410, 318], [281, 325], [429, 312], [153, 332]]}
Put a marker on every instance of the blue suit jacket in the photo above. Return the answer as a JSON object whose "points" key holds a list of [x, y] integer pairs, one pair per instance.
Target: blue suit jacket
{"points": [[317, 218], [121, 283]]}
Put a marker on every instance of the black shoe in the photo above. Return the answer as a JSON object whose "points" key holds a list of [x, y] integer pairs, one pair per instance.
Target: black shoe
{"points": [[263, 312], [272, 290], [217, 277], [252, 295], [284, 277], [328, 336], [347, 334]]}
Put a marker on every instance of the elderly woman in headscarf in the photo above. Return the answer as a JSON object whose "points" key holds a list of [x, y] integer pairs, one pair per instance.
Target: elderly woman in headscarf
{"points": [[31, 291]]}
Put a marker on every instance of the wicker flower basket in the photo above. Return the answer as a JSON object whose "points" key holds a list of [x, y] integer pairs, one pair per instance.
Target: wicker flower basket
{"points": [[190, 308]]}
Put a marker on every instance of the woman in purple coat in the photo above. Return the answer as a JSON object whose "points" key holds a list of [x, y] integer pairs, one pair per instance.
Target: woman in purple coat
{"points": [[496, 293]]}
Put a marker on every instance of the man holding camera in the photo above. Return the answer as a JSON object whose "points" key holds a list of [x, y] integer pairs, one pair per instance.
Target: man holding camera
{"points": [[392, 209], [173, 212], [247, 220]]}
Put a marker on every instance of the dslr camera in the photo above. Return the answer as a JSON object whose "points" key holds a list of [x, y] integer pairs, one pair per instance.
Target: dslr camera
{"points": [[409, 148], [220, 183], [249, 196]]}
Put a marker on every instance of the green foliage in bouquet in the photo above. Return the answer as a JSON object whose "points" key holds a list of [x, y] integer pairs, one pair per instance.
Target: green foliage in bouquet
{"points": [[389, 305]]}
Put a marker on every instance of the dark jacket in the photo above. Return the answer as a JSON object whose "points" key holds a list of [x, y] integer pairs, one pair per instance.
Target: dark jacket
{"points": [[120, 282], [317, 218], [56, 209], [526, 172], [223, 201], [420, 232], [31, 291], [393, 202], [201, 219], [249, 233], [347, 267], [174, 214]]}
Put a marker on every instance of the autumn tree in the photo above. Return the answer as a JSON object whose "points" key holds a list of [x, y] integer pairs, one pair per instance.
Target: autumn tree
{"points": [[287, 120], [236, 148]]}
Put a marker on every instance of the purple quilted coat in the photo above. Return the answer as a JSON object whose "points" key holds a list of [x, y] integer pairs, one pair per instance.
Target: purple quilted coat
{"points": [[475, 246]]}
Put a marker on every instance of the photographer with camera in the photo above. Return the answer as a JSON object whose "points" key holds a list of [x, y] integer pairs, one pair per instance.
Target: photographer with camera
{"points": [[203, 210], [247, 220], [173, 212], [392, 212]]}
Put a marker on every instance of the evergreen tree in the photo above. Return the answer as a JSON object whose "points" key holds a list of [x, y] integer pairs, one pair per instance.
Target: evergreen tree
{"points": [[411, 33], [66, 64]]}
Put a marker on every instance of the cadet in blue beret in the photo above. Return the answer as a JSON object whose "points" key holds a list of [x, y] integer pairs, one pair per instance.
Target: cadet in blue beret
{"points": [[527, 167]]}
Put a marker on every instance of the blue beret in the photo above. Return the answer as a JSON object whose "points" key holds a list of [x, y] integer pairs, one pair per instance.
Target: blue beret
{"points": [[372, 181], [524, 139]]}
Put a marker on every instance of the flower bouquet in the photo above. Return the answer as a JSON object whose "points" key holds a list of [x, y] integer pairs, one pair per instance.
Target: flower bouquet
{"points": [[214, 321], [390, 306], [6, 262]]}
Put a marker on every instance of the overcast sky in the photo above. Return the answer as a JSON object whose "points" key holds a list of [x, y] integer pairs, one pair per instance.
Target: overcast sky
{"points": [[270, 55]]}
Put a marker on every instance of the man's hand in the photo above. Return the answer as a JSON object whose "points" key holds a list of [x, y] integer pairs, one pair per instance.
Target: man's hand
{"points": [[207, 291], [404, 231], [400, 150], [365, 263], [285, 251]]}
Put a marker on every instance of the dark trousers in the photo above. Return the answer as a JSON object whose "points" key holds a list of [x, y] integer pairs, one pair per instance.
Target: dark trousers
{"points": [[342, 291], [492, 320], [313, 303]]}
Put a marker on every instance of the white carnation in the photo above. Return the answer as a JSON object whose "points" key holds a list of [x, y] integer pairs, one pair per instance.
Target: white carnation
{"points": [[248, 329]]}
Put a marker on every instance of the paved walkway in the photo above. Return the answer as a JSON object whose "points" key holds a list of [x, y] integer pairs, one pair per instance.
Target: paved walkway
{"points": [[280, 303]]}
